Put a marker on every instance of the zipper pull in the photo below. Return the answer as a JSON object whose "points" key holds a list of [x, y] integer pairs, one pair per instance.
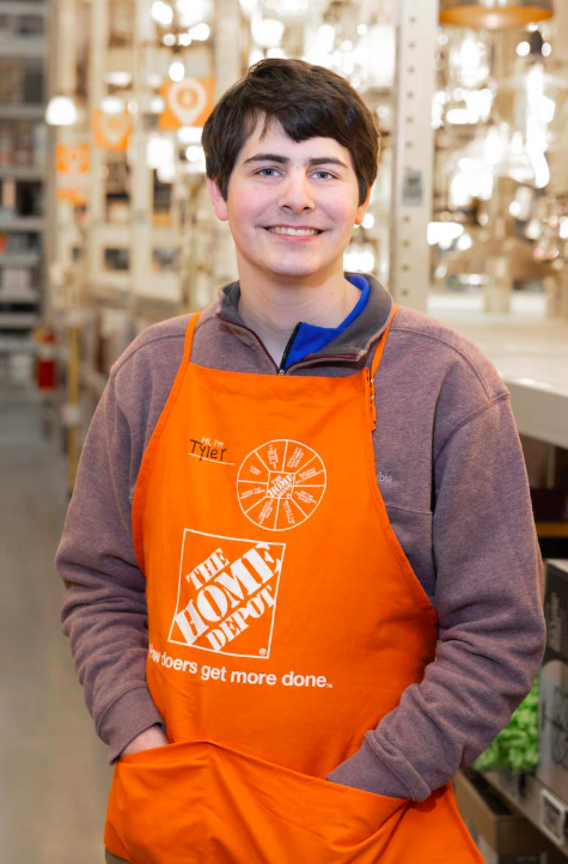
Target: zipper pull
{"points": [[371, 384]]}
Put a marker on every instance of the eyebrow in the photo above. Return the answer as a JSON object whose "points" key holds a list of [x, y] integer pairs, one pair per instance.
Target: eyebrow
{"points": [[283, 160]]}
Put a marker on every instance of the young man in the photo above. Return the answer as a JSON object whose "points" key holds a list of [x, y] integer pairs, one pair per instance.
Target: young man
{"points": [[303, 584]]}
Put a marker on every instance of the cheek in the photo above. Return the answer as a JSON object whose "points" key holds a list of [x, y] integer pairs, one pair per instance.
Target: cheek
{"points": [[342, 213], [246, 205]]}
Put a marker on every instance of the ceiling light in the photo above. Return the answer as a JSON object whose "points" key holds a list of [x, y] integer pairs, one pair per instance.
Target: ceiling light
{"points": [[523, 49], [200, 32], [112, 105], [494, 14], [267, 32], [190, 134], [162, 13], [194, 11], [177, 71], [443, 232], [194, 153], [61, 111], [118, 79]]}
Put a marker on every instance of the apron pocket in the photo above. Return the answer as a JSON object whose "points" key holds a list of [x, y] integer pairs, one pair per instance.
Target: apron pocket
{"points": [[204, 802], [259, 812], [154, 814]]}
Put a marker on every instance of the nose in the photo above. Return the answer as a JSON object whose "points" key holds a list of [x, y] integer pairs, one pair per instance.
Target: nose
{"points": [[296, 194]]}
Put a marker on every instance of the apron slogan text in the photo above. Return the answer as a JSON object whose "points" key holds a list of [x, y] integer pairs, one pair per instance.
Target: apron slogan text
{"points": [[235, 676]]}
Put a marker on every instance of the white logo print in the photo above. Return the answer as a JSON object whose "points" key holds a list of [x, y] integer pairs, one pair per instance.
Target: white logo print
{"points": [[280, 484], [228, 588]]}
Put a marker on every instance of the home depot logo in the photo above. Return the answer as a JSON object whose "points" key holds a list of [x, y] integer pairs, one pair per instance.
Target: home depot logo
{"points": [[228, 588]]}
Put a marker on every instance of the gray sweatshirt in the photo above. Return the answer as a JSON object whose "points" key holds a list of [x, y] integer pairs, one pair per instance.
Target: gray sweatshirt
{"points": [[450, 469]]}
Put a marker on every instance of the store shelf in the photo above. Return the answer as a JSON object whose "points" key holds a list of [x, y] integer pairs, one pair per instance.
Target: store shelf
{"points": [[528, 802], [19, 296], [530, 353], [22, 112], [23, 47], [17, 345], [18, 320], [21, 7], [20, 259], [29, 224], [21, 172]]}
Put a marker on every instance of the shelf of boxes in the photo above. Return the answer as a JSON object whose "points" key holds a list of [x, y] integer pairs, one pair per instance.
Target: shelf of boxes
{"points": [[23, 44]]}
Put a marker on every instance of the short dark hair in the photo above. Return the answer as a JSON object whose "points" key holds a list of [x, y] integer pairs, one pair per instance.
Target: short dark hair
{"points": [[308, 101]]}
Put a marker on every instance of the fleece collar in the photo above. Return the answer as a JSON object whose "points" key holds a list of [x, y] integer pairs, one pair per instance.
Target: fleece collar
{"points": [[351, 344]]}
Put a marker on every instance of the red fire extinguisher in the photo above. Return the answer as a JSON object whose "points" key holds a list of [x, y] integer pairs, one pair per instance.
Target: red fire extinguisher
{"points": [[45, 365]]}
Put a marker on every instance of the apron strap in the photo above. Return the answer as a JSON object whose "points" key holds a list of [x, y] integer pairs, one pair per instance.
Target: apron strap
{"points": [[190, 330], [381, 346]]}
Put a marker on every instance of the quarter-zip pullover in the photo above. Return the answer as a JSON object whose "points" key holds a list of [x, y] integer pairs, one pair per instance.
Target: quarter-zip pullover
{"points": [[450, 469]]}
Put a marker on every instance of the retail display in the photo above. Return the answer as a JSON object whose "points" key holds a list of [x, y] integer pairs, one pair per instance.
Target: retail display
{"points": [[516, 747], [502, 836], [553, 765], [22, 196]]}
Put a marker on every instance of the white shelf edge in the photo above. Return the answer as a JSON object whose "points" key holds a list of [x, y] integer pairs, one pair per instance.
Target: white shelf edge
{"points": [[22, 172], [22, 259], [22, 47], [22, 112], [25, 224], [529, 804], [15, 297]]}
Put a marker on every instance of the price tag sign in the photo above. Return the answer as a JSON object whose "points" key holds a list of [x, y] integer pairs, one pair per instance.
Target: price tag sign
{"points": [[187, 103], [72, 167], [111, 131], [553, 817]]}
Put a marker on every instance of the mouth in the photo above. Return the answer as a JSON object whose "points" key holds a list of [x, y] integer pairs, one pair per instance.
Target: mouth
{"points": [[286, 231]]}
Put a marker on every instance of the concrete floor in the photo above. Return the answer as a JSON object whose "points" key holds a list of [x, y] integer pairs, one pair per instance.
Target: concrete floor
{"points": [[55, 775]]}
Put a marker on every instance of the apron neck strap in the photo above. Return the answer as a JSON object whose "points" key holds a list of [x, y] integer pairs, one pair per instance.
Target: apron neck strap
{"points": [[190, 330], [381, 346]]}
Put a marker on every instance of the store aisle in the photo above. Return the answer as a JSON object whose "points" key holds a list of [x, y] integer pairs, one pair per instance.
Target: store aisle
{"points": [[55, 774]]}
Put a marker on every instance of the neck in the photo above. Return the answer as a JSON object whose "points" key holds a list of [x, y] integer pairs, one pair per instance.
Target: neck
{"points": [[273, 310]]}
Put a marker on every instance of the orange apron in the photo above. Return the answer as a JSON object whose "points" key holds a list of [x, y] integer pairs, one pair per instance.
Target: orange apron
{"points": [[284, 622]]}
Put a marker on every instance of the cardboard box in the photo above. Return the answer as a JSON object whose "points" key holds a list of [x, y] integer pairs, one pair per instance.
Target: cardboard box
{"points": [[552, 769], [502, 837]]}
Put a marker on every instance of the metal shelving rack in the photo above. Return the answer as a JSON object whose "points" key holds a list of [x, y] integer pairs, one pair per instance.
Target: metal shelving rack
{"points": [[23, 46]]}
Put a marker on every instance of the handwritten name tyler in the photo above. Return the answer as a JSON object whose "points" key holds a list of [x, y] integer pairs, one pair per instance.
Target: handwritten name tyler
{"points": [[204, 450]]}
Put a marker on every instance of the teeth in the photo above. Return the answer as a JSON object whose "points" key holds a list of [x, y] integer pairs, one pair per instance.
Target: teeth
{"points": [[301, 232]]}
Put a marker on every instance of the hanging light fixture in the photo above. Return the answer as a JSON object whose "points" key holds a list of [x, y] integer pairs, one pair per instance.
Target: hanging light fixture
{"points": [[494, 14]]}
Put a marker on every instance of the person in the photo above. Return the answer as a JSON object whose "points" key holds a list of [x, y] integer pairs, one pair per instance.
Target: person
{"points": [[302, 580]]}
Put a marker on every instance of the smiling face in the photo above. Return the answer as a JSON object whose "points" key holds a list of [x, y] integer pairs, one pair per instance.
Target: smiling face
{"points": [[278, 185]]}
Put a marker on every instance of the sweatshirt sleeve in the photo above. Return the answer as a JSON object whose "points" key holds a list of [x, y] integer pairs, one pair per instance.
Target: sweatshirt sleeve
{"points": [[489, 590], [104, 610]]}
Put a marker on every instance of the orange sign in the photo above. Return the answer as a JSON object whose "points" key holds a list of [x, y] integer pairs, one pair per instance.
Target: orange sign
{"points": [[188, 102], [112, 131], [72, 166]]}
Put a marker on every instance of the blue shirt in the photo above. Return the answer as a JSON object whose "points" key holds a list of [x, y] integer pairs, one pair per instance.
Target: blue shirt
{"points": [[309, 338]]}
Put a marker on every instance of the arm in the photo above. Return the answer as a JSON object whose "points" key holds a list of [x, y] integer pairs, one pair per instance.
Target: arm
{"points": [[104, 610], [489, 601]]}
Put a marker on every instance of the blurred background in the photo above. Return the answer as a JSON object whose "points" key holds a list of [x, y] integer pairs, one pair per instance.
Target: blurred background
{"points": [[106, 228]]}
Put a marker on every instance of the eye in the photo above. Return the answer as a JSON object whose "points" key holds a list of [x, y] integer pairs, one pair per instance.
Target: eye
{"points": [[262, 170], [328, 173]]}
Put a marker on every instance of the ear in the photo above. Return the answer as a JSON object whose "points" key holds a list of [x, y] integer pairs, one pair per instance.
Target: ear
{"points": [[219, 203], [362, 208]]}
